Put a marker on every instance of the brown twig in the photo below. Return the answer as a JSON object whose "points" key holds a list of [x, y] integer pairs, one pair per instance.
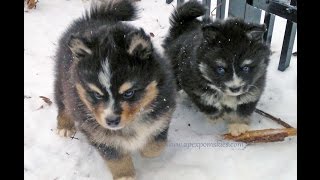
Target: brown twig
{"points": [[278, 120], [215, 8], [72, 137], [262, 136], [265, 135]]}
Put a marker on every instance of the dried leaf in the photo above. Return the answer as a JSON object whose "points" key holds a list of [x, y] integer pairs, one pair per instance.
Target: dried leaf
{"points": [[46, 100], [32, 4]]}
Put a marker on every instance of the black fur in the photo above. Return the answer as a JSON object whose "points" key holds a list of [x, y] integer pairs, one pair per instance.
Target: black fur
{"points": [[101, 38], [184, 19], [121, 11], [108, 152], [220, 48], [162, 136]]}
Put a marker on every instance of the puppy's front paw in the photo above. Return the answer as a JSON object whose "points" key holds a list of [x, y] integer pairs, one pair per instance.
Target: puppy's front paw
{"points": [[153, 149], [65, 126], [213, 118], [235, 129], [125, 178], [65, 132]]}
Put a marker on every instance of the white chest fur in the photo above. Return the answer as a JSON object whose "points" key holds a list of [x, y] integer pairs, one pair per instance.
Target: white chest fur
{"points": [[229, 101], [143, 132], [219, 100]]}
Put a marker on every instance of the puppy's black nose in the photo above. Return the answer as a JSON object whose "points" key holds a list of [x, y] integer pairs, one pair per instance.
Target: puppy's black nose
{"points": [[234, 89], [113, 121]]}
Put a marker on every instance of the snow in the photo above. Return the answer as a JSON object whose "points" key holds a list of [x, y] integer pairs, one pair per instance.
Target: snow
{"points": [[48, 156]]}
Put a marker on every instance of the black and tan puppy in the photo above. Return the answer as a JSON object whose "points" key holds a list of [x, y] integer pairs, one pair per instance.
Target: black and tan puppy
{"points": [[112, 85], [221, 65]]}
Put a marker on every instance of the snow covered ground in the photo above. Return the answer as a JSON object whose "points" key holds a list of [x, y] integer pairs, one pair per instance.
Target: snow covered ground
{"points": [[50, 157]]}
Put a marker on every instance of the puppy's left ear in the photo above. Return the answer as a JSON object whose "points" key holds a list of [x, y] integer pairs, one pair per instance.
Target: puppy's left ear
{"points": [[139, 44], [256, 31]]}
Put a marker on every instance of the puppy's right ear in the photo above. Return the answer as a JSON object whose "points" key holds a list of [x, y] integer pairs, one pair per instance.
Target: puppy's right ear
{"points": [[256, 31], [139, 44], [78, 47], [210, 32]]}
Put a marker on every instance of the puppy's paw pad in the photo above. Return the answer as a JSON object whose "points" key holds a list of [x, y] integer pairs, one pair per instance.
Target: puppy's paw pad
{"points": [[125, 178], [237, 129], [65, 132]]}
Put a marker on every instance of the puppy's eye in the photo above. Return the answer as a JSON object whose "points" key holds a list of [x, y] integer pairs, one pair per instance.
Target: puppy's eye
{"points": [[220, 70], [97, 95], [246, 69], [128, 94]]}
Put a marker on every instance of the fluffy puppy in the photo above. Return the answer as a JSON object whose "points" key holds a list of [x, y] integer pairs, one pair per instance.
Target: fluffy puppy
{"points": [[112, 85], [221, 65]]}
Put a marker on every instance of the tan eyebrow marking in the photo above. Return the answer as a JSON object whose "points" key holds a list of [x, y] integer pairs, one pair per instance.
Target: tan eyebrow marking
{"points": [[95, 88], [220, 62], [246, 62], [124, 87]]}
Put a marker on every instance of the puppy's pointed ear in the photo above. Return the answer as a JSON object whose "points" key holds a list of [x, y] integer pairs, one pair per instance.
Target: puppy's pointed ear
{"points": [[256, 31], [78, 46], [139, 44], [210, 32]]}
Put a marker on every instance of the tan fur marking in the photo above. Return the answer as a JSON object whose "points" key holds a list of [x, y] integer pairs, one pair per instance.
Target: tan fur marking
{"points": [[65, 127], [153, 149], [65, 132], [76, 45], [127, 112], [236, 124], [121, 168], [82, 94], [95, 88], [130, 112], [126, 178], [136, 41], [64, 121], [99, 114], [236, 129], [97, 111], [124, 87]]}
